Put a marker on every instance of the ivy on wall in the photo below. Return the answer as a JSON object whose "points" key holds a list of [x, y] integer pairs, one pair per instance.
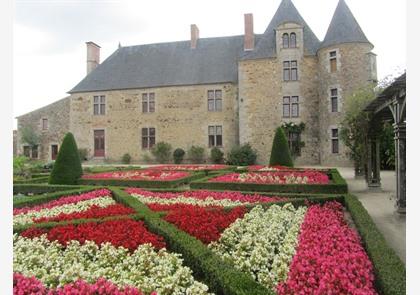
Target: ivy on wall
{"points": [[293, 131]]}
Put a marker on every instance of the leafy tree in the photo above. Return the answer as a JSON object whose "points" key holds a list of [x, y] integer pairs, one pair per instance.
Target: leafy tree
{"points": [[20, 165], [29, 136], [387, 146], [216, 155], [196, 154], [67, 168], [280, 153], [162, 152]]}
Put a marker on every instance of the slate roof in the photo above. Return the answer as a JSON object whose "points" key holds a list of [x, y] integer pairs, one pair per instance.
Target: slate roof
{"points": [[286, 12], [167, 64], [47, 107], [343, 28]]}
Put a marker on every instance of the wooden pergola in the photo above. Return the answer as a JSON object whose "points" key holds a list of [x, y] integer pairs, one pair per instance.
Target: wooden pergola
{"points": [[389, 106]]}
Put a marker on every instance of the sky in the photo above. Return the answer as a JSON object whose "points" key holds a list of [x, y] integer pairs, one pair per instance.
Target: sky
{"points": [[49, 51]]}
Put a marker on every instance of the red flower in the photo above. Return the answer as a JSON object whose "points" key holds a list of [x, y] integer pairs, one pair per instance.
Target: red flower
{"points": [[149, 174]]}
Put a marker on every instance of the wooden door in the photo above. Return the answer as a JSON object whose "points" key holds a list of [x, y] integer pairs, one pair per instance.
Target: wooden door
{"points": [[54, 151], [99, 143]]}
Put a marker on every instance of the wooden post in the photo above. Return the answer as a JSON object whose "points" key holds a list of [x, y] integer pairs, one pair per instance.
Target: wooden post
{"points": [[399, 137]]}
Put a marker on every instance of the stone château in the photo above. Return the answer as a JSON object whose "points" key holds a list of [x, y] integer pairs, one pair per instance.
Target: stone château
{"points": [[219, 92]]}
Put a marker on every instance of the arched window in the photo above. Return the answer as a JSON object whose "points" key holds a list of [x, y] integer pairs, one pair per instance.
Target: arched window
{"points": [[285, 40], [292, 40]]}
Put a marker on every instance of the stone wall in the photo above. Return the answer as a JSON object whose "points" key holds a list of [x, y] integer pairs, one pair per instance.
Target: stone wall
{"points": [[181, 118], [354, 69], [58, 115]]}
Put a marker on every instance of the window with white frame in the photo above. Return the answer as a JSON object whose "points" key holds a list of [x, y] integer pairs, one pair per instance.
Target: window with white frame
{"points": [[99, 105], [290, 106], [215, 136], [148, 138], [333, 61], [148, 102], [214, 100], [290, 71]]}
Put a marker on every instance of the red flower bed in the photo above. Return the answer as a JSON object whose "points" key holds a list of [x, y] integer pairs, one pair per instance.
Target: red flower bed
{"points": [[189, 167], [329, 258], [127, 233], [285, 177], [65, 200], [25, 285], [150, 174], [205, 225], [93, 212]]}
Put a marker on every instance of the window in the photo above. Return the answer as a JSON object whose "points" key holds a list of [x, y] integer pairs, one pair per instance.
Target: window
{"points": [[35, 152], [148, 138], [334, 100], [99, 143], [291, 106], [294, 143], [44, 124], [334, 140], [27, 151], [148, 102], [285, 40], [292, 40], [215, 136], [214, 100], [333, 61], [295, 106], [99, 105], [290, 70]]}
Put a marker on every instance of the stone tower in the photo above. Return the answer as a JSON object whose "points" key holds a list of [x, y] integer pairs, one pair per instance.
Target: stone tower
{"points": [[345, 63]]}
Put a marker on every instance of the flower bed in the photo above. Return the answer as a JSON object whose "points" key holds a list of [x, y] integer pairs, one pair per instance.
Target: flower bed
{"points": [[264, 168], [190, 167], [93, 255], [295, 177], [149, 175], [64, 206], [198, 198]]}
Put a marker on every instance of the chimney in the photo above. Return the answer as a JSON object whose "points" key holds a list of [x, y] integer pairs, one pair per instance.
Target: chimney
{"points": [[249, 32], [92, 57], [195, 34]]}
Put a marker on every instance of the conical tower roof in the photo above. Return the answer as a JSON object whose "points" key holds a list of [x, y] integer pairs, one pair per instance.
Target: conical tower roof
{"points": [[343, 28], [266, 43]]}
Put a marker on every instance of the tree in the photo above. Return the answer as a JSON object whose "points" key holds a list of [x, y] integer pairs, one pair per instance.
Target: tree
{"points": [[354, 129], [67, 168], [242, 155], [29, 136], [280, 153]]}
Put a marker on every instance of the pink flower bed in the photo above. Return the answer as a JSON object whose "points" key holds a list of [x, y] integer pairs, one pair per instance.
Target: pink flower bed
{"points": [[150, 174], [65, 200], [203, 194], [285, 177], [25, 285], [190, 167], [329, 258]]}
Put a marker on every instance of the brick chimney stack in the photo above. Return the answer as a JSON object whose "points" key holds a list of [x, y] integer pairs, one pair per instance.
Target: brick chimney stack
{"points": [[195, 35], [249, 32], [92, 57]]}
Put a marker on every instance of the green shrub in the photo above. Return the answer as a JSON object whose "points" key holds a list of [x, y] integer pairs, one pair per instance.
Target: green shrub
{"points": [[67, 168], [216, 155], [280, 153], [243, 155], [20, 165], [196, 154], [49, 166], [178, 155], [126, 158], [83, 153], [162, 152]]}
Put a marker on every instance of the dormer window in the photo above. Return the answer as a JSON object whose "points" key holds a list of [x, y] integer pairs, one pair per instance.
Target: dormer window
{"points": [[292, 40], [285, 40]]}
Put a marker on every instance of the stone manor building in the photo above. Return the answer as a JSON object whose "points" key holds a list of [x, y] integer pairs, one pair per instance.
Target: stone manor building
{"points": [[219, 92]]}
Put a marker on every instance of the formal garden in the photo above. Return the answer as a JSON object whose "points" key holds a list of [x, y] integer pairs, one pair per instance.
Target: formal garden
{"points": [[195, 229]]}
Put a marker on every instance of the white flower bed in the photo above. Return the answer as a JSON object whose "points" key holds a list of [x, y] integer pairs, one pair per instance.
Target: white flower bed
{"points": [[263, 242], [144, 269], [28, 217], [209, 201]]}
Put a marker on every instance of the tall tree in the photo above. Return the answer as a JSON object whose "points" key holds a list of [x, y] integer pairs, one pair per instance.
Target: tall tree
{"points": [[280, 153]]}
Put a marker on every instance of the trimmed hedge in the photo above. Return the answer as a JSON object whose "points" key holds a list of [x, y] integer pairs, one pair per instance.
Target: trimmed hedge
{"points": [[220, 276], [43, 179], [389, 270], [280, 153], [37, 189], [142, 183], [36, 200], [338, 186]]}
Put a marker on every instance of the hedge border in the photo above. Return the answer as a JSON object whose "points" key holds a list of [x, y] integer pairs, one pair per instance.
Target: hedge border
{"points": [[142, 183], [43, 179], [37, 189], [339, 186], [220, 276], [390, 272]]}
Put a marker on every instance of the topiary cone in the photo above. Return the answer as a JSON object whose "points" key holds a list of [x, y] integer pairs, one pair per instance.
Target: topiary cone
{"points": [[67, 167], [280, 153]]}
